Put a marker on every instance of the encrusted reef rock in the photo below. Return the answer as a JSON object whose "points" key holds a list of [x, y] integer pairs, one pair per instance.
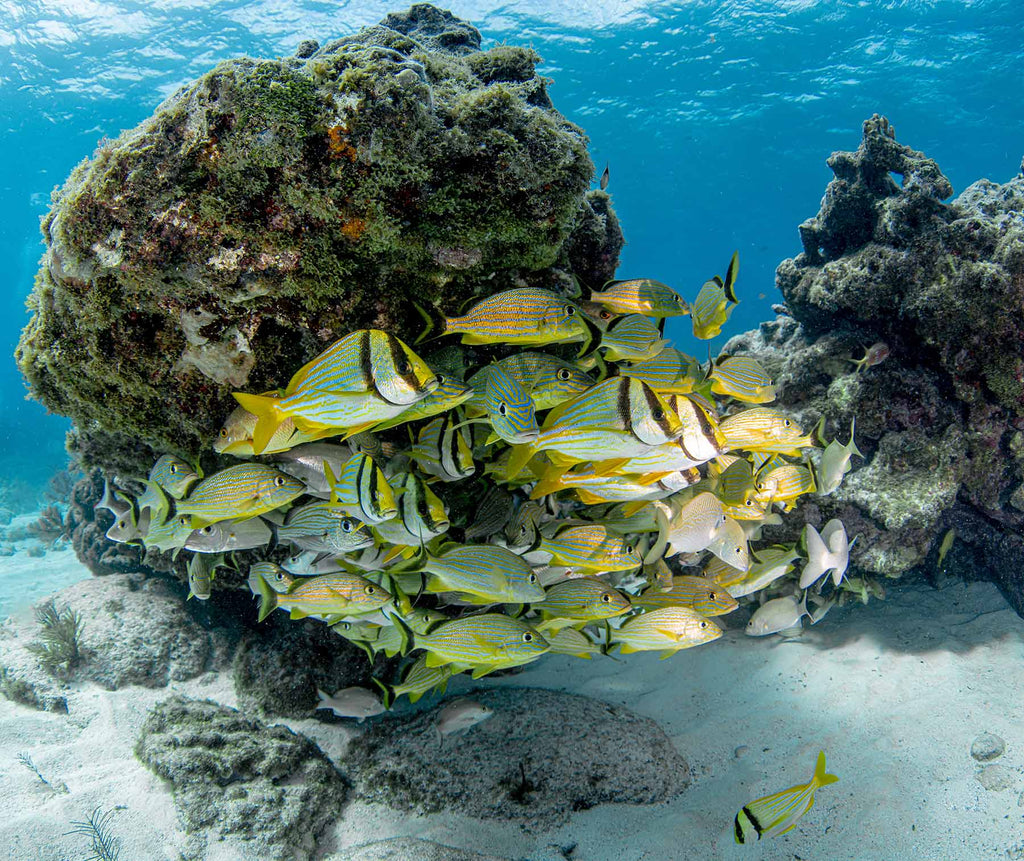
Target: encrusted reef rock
{"points": [[279, 665], [273, 206], [941, 419], [538, 758], [239, 778]]}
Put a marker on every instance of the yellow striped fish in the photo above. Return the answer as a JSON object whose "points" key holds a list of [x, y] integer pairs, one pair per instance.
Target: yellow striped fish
{"points": [[762, 429], [340, 593], [275, 576], [442, 449], [362, 489], [734, 484], [618, 418], [785, 484], [549, 380], [174, 475], [771, 564], [449, 394], [779, 812], [235, 436], [569, 641], [692, 527], [698, 593], [418, 680], [488, 642], [669, 371], [634, 338], [593, 487], [641, 296], [171, 533], [481, 574], [528, 316], [239, 491], [321, 527], [715, 301], [521, 530], [510, 409], [582, 599], [743, 378], [667, 630], [590, 547], [367, 377]]}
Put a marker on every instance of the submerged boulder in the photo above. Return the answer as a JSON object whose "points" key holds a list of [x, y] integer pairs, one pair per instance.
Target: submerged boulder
{"points": [[541, 756], [940, 418], [239, 778], [273, 206]]}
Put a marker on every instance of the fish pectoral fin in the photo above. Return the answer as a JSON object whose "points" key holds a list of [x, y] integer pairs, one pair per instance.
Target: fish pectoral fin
{"points": [[651, 478], [631, 508], [587, 497], [608, 467], [434, 661], [483, 670]]}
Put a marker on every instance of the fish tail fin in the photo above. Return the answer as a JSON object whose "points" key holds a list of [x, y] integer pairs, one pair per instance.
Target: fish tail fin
{"points": [[851, 446], [434, 323], [268, 597], [405, 632], [386, 691], [821, 777], [729, 286], [268, 417]]}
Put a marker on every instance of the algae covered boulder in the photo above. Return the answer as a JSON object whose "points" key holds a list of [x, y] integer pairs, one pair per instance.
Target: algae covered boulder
{"points": [[272, 206], [940, 418]]}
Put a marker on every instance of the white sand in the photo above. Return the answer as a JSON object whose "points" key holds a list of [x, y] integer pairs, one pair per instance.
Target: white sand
{"points": [[894, 693], [25, 579]]}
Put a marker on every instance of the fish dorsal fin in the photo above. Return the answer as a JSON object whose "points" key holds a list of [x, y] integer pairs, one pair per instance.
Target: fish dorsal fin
{"points": [[730, 278]]}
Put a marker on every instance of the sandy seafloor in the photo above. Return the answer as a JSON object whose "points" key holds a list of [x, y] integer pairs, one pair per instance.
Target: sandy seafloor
{"points": [[894, 693]]}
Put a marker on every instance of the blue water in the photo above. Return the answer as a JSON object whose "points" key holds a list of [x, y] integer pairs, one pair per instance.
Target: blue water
{"points": [[716, 118]]}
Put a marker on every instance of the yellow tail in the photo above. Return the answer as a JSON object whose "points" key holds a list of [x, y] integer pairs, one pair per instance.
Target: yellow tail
{"points": [[268, 417], [821, 778]]}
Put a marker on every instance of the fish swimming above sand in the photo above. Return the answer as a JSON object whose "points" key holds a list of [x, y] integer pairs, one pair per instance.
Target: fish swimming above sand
{"points": [[460, 715], [827, 552], [779, 812], [354, 702]]}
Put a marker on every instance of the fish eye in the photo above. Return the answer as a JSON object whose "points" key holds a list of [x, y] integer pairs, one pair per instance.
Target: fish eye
{"points": [[371, 590], [522, 529], [405, 367], [346, 525], [279, 481], [122, 524], [713, 596], [738, 550], [606, 315], [679, 299], [502, 408], [703, 625], [533, 577], [657, 414], [279, 576], [750, 503], [174, 469], [629, 549], [527, 637], [564, 373], [207, 530], [570, 310], [224, 433], [787, 423], [607, 597]]}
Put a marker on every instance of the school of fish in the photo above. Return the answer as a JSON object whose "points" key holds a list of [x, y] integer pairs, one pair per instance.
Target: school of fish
{"points": [[565, 482]]}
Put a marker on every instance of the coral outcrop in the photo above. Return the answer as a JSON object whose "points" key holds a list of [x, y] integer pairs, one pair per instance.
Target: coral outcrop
{"points": [[538, 758], [941, 419], [274, 205], [234, 777]]}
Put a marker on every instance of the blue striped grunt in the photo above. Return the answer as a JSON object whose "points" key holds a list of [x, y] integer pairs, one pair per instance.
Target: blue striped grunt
{"points": [[715, 301], [321, 527], [442, 449], [785, 484], [582, 599], [174, 475], [421, 514], [698, 593], [762, 429], [589, 547], [549, 380], [779, 812], [618, 418], [239, 491], [732, 479], [510, 409], [641, 296], [521, 530], [481, 574], [362, 489], [171, 533], [274, 575], [488, 642], [743, 378], [593, 487], [529, 316], [634, 338], [340, 593], [669, 371], [667, 630]]}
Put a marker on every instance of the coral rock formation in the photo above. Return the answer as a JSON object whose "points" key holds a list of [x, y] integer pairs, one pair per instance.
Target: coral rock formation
{"points": [[538, 758], [942, 418], [239, 778], [274, 205]]}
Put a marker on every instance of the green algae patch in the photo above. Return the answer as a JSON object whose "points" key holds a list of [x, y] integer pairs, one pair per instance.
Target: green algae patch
{"points": [[273, 205]]}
